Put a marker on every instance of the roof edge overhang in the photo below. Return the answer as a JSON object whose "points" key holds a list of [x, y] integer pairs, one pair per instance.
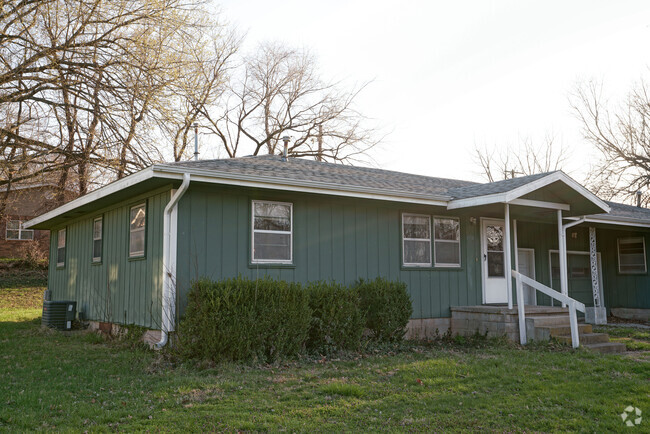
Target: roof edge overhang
{"points": [[517, 193], [111, 188], [170, 172]]}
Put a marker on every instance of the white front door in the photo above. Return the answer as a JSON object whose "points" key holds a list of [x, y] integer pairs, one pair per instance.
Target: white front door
{"points": [[492, 246]]}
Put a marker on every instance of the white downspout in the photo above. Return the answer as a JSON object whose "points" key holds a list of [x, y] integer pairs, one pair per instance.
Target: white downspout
{"points": [[170, 219]]}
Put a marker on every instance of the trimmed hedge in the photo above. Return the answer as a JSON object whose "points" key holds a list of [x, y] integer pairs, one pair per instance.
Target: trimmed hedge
{"points": [[386, 306], [266, 320], [242, 319], [336, 323]]}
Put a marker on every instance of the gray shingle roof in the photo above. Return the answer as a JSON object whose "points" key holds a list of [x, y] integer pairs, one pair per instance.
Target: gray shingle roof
{"points": [[333, 174], [363, 177], [496, 187], [627, 212]]}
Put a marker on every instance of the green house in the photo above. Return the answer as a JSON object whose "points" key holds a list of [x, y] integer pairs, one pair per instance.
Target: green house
{"points": [[128, 252]]}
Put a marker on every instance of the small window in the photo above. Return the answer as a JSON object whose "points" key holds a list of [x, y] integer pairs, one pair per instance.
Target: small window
{"points": [[60, 248], [416, 237], [446, 232], [272, 232], [97, 239], [15, 231], [631, 256], [137, 222]]}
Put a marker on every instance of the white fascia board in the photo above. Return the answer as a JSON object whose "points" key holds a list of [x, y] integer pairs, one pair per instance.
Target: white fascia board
{"points": [[620, 221], [477, 201], [303, 186], [515, 194], [541, 204], [111, 188]]}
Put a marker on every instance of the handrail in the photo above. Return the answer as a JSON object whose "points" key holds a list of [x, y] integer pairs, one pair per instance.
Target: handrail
{"points": [[549, 291], [572, 303]]}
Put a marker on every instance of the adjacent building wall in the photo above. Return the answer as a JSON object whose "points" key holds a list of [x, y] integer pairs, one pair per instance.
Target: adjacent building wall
{"points": [[334, 238], [119, 289]]}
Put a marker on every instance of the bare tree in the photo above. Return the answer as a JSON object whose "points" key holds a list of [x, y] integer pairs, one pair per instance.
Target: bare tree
{"points": [[277, 91], [621, 132], [92, 86], [525, 159]]}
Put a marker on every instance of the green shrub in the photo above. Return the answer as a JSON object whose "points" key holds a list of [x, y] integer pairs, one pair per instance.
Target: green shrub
{"points": [[336, 323], [243, 319], [387, 308]]}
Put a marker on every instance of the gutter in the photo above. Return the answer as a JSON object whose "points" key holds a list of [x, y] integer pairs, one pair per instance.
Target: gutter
{"points": [[170, 221]]}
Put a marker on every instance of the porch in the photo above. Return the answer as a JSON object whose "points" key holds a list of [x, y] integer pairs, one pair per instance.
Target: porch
{"points": [[496, 320], [541, 323]]}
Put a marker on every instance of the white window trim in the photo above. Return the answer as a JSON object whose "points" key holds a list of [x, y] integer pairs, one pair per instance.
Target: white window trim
{"points": [[65, 245], [20, 231], [263, 231], [138, 253], [404, 240], [433, 236], [101, 237], [618, 254]]}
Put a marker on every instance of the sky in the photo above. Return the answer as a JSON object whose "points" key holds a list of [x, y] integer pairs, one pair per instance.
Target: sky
{"points": [[447, 76]]}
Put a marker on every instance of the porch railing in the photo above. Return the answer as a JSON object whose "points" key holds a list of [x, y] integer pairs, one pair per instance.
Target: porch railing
{"points": [[573, 305]]}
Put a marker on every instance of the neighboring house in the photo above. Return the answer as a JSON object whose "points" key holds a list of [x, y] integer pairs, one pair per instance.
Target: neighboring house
{"points": [[128, 252], [23, 203]]}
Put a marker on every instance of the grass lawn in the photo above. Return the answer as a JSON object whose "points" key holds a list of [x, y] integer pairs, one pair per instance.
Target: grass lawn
{"points": [[80, 381], [635, 339]]}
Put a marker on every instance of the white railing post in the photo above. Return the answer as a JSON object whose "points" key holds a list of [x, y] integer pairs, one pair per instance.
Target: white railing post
{"points": [[573, 304], [573, 318], [523, 339]]}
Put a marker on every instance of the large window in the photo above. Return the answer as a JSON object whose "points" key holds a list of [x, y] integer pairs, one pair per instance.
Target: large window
{"points": [[15, 231], [97, 239], [446, 232], [631, 256], [416, 238], [272, 232], [60, 247], [137, 225]]}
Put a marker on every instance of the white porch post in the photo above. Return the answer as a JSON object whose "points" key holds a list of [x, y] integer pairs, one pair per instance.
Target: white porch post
{"points": [[562, 256], [507, 250]]}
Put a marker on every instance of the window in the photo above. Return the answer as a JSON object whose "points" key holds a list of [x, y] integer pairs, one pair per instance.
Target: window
{"points": [[446, 234], [15, 231], [97, 239], [416, 238], [272, 232], [60, 248], [137, 222], [631, 256]]}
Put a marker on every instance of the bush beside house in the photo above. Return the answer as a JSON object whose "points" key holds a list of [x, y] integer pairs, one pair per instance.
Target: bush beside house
{"points": [[266, 320]]}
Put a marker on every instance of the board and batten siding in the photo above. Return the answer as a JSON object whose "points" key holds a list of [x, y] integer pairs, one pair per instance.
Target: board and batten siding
{"points": [[334, 238], [119, 289]]}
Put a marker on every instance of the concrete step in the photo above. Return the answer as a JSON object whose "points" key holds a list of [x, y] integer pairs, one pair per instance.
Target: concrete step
{"points": [[606, 347], [547, 332], [549, 320], [585, 339]]}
